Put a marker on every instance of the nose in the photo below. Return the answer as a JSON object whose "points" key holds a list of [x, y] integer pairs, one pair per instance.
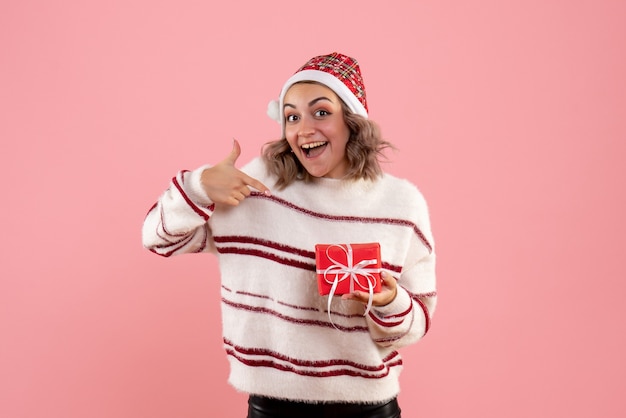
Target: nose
{"points": [[307, 127]]}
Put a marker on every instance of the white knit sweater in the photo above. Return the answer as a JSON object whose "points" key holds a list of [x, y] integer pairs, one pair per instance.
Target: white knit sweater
{"points": [[276, 330]]}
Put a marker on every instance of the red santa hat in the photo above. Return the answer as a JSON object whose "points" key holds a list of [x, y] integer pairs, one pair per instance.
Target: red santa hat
{"points": [[336, 71]]}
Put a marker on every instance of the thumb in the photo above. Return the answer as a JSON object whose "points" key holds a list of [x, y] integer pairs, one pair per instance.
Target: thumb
{"points": [[234, 154]]}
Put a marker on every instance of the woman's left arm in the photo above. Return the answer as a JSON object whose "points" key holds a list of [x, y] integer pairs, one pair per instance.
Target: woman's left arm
{"points": [[401, 313]]}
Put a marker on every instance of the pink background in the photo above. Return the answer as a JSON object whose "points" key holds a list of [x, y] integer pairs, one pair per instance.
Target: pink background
{"points": [[510, 116]]}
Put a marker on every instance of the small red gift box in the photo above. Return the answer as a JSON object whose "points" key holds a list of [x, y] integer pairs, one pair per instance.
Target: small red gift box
{"points": [[343, 268]]}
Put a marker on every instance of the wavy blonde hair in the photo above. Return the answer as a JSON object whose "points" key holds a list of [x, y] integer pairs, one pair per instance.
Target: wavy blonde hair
{"points": [[363, 151]]}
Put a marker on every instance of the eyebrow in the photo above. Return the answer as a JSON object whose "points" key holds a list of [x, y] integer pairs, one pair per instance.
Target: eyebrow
{"points": [[311, 103]]}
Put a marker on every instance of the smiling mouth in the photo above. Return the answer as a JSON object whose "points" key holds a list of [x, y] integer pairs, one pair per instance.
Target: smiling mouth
{"points": [[314, 148]]}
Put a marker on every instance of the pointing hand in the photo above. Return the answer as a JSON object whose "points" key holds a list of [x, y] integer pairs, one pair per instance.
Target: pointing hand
{"points": [[224, 183]]}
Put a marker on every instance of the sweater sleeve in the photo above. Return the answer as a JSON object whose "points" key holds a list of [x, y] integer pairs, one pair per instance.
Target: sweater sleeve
{"points": [[177, 222], [407, 318]]}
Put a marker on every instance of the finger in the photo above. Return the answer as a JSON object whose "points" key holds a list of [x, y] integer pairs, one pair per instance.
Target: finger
{"points": [[231, 201], [245, 191], [252, 182], [357, 296], [234, 153], [388, 280], [384, 278], [351, 296], [239, 196]]}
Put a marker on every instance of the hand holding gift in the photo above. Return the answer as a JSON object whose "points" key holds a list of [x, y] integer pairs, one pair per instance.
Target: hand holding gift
{"points": [[354, 272], [386, 295]]}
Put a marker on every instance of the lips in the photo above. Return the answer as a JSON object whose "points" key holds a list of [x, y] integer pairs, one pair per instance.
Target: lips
{"points": [[314, 149]]}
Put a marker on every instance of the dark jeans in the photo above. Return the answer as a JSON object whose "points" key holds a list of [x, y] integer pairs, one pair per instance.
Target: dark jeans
{"points": [[260, 407]]}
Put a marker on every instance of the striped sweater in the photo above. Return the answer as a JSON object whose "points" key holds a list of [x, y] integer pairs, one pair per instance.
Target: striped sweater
{"points": [[276, 330]]}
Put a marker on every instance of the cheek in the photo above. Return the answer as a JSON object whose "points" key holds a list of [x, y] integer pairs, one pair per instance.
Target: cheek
{"points": [[342, 134], [340, 130], [291, 140], [288, 134]]}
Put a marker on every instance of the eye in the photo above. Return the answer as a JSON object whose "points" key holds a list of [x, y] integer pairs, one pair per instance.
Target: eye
{"points": [[322, 112], [291, 118]]}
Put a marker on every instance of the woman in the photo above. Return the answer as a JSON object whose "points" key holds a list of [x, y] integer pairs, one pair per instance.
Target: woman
{"points": [[286, 348]]}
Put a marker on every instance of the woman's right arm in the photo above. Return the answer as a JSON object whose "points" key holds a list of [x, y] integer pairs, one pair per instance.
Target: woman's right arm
{"points": [[177, 223]]}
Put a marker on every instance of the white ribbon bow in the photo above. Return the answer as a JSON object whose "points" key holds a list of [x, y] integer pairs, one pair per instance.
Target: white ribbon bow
{"points": [[351, 271]]}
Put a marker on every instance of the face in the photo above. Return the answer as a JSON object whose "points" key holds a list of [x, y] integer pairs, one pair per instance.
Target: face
{"points": [[316, 130]]}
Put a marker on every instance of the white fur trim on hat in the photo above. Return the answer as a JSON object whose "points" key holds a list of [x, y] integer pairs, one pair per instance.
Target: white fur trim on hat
{"points": [[330, 81]]}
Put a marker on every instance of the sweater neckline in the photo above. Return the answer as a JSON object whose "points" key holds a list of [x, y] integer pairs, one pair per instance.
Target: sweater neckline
{"points": [[343, 186]]}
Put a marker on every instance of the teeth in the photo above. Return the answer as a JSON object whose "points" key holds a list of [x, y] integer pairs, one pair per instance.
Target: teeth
{"points": [[313, 145]]}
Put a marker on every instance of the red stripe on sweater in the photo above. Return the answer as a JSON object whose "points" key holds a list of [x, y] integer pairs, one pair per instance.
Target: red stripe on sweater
{"points": [[389, 221], [192, 205], [164, 228], [226, 239], [390, 339], [382, 323], [268, 256], [310, 363], [311, 373], [300, 321], [166, 250], [265, 243], [426, 314], [309, 367], [292, 306], [401, 314]]}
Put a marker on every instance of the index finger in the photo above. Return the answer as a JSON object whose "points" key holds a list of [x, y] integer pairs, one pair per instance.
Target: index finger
{"points": [[256, 184]]}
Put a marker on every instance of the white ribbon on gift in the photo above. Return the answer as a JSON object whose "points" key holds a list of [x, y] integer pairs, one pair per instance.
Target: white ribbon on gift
{"points": [[350, 271]]}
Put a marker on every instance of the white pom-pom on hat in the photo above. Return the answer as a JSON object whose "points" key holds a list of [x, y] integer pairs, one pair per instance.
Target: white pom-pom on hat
{"points": [[273, 110]]}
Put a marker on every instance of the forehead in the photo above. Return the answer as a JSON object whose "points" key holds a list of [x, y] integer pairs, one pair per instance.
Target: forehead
{"points": [[308, 90]]}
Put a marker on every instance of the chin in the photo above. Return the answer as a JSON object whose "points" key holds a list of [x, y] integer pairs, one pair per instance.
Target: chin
{"points": [[318, 173]]}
